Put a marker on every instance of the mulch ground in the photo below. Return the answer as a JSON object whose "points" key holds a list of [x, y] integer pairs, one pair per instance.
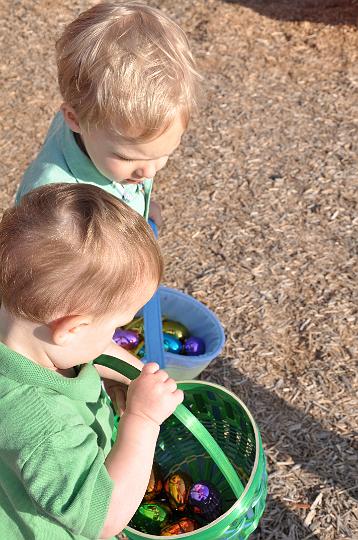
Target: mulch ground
{"points": [[260, 208]]}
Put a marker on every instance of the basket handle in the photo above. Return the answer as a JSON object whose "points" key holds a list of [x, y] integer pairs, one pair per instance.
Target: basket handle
{"points": [[189, 421], [153, 330]]}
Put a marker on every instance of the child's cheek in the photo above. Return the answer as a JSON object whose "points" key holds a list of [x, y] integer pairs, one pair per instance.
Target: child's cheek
{"points": [[117, 168]]}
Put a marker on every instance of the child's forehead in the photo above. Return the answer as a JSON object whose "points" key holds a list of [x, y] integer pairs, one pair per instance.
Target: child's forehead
{"points": [[161, 146]]}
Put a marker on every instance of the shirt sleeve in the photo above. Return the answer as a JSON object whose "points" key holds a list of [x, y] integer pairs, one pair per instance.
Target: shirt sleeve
{"points": [[66, 478]]}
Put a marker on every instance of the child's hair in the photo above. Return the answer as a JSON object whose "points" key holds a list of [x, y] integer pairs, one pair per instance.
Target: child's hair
{"points": [[72, 249], [128, 67]]}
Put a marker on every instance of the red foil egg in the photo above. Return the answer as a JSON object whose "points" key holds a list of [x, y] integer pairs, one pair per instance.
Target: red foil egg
{"points": [[184, 525], [155, 485]]}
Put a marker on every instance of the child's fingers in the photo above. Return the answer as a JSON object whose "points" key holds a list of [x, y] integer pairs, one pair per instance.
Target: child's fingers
{"points": [[179, 395], [152, 367], [161, 376], [170, 385]]}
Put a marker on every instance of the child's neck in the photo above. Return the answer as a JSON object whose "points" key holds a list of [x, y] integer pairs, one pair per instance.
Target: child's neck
{"points": [[80, 143], [28, 338]]}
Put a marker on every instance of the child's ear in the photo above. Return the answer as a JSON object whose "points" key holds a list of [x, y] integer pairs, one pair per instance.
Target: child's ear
{"points": [[70, 117], [67, 329]]}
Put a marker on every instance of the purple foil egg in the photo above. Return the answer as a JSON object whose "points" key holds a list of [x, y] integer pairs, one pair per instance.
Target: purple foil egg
{"points": [[128, 339], [204, 499], [193, 346]]}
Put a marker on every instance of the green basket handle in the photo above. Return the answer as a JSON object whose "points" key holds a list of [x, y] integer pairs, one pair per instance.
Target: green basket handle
{"points": [[189, 421]]}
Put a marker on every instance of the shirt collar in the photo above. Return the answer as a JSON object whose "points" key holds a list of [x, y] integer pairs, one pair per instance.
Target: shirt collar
{"points": [[83, 169], [86, 386]]}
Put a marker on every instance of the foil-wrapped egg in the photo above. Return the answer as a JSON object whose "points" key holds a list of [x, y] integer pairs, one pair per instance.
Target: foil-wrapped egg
{"points": [[172, 344], [177, 487], [151, 517], [128, 339], [184, 525], [193, 346], [155, 484], [204, 500], [140, 350], [175, 329]]}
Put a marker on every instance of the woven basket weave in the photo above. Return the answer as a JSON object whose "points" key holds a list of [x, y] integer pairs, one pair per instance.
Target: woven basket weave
{"points": [[220, 443]]}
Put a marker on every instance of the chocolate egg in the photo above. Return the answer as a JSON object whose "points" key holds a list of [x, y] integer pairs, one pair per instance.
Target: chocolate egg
{"points": [[184, 525], [177, 489], [175, 329], [193, 346], [172, 344], [155, 484], [128, 339], [151, 517], [204, 499], [140, 350]]}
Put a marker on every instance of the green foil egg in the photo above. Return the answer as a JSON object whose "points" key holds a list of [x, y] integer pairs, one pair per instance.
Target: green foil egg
{"points": [[151, 518]]}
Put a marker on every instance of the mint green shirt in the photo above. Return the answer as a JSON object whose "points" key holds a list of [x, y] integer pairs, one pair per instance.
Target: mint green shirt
{"points": [[55, 434], [61, 160]]}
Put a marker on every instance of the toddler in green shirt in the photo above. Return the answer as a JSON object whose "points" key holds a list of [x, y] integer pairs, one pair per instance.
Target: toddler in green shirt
{"points": [[129, 85], [75, 263]]}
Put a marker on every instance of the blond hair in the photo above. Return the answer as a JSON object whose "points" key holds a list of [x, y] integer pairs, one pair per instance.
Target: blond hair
{"points": [[74, 249], [128, 67]]}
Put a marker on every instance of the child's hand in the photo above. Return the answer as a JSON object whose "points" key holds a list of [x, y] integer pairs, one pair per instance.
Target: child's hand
{"points": [[153, 395], [155, 213]]}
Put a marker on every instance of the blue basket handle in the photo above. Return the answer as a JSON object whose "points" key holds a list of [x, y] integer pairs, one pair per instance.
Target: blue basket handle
{"points": [[153, 331], [154, 227]]}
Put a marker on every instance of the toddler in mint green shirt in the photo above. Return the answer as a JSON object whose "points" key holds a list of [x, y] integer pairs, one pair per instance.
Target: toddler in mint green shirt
{"points": [[129, 86], [75, 263]]}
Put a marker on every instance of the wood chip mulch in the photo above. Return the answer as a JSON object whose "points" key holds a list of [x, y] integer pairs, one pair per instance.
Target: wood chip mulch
{"points": [[260, 209]]}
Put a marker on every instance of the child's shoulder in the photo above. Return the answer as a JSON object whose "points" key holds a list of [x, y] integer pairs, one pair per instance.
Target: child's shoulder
{"points": [[24, 418], [50, 165]]}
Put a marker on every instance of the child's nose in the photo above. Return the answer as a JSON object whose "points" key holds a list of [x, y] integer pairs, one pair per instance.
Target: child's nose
{"points": [[146, 171]]}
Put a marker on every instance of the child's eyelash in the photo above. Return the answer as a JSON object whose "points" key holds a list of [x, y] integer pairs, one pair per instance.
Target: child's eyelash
{"points": [[124, 159]]}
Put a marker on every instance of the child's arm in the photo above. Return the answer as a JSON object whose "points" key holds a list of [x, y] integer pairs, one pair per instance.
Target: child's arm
{"points": [[152, 397], [118, 352], [155, 213]]}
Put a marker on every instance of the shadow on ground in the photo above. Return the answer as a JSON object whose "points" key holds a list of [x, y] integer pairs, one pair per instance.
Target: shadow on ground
{"points": [[290, 432], [325, 11], [287, 525], [317, 450]]}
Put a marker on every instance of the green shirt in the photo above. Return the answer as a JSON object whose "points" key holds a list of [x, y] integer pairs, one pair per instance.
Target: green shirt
{"points": [[61, 160], [55, 434]]}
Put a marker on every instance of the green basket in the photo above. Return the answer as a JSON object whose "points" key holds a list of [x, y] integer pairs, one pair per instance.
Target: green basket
{"points": [[212, 436]]}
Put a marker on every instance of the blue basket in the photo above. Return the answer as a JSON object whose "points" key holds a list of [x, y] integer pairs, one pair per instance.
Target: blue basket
{"points": [[200, 321]]}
